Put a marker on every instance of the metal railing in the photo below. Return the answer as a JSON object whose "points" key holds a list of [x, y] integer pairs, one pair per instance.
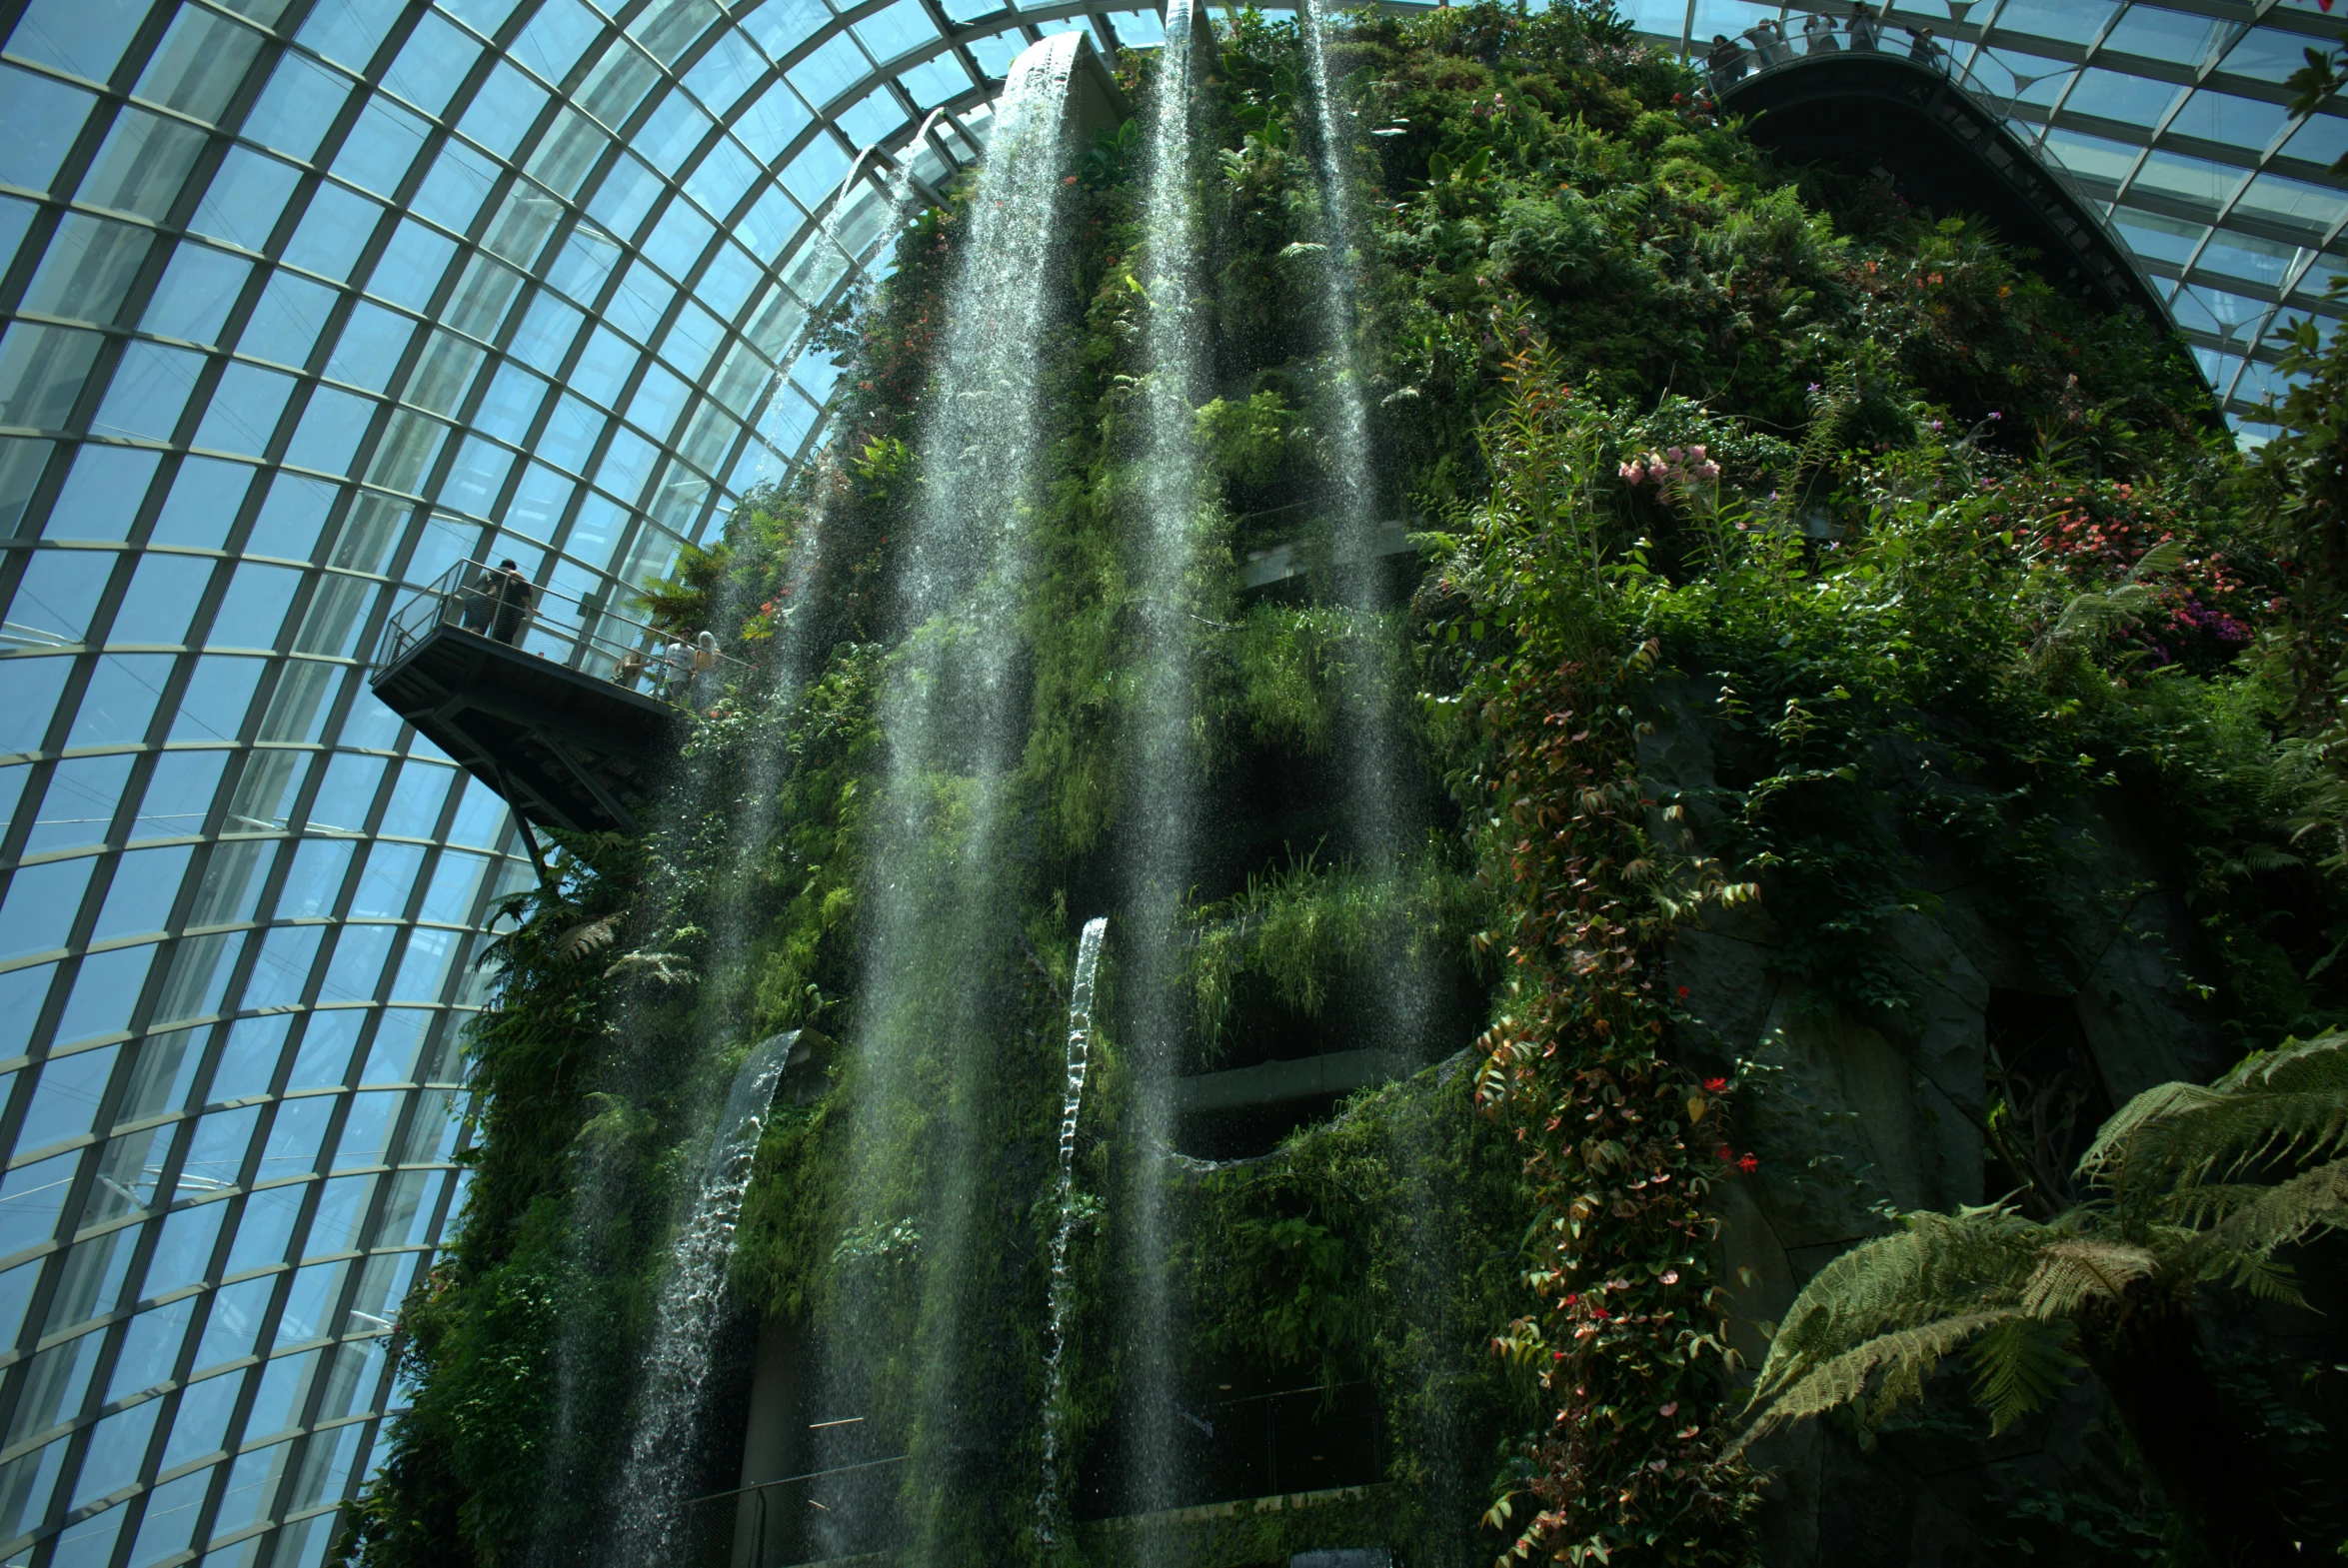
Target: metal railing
{"points": [[578, 634], [762, 1526]]}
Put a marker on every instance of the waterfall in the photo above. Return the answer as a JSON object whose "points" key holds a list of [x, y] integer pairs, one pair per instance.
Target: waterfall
{"points": [[939, 893], [1377, 808], [1356, 520], [1165, 767], [692, 1300], [1071, 1105]]}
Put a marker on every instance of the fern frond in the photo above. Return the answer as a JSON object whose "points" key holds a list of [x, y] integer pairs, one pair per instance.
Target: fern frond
{"points": [[2289, 1104], [2166, 556], [1937, 1266], [2019, 1367], [585, 937], [1874, 1375], [2308, 1204], [2071, 1271]]}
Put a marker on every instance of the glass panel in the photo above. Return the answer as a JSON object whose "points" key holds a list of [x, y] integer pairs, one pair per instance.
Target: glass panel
{"points": [[219, 696], [150, 1349], [79, 803], [41, 371], [179, 794], [85, 37], [507, 106], [170, 1520], [412, 265], [295, 1137], [196, 292], [246, 195], [235, 1319], [30, 1197], [203, 503], [296, 107], [200, 63], [554, 38], [65, 1100], [431, 64], [59, 589], [348, 34], [330, 431], [333, 231], [89, 266], [146, 882], [198, 1428], [249, 1061], [44, 116], [357, 966], [282, 972], [149, 392], [287, 320], [105, 989], [142, 165], [377, 153], [117, 1446], [162, 597], [21, 466], [242, 413]]}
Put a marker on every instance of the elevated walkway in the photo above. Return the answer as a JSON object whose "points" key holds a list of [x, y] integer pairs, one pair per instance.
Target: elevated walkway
{"points": [[538, 702], [1941, 140]]}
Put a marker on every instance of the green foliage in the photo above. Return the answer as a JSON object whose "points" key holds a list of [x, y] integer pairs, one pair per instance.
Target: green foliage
{"points": [[1308, 929], [2189, 1185]]}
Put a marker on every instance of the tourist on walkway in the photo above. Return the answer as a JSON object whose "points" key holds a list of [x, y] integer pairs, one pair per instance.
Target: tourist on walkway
{"points": [[1769, 43], [514, 601], [1818, 34], [1864, 28], [1726, 61], [1924, 49], [480, 603]]}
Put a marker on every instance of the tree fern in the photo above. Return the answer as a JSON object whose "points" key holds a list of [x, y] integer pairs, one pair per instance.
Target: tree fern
{"points": [[2187, 1183]]}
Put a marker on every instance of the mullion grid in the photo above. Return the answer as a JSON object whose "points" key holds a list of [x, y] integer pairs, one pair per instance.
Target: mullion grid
{"points": [[328, 1151]]}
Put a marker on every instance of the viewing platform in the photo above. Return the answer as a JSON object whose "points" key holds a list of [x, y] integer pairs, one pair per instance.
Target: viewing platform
{"points": [[1891, 104], [539, 702]]}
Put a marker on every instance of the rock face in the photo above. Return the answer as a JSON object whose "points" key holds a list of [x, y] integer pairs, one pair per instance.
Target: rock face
{"points": [[1851, 1117]]}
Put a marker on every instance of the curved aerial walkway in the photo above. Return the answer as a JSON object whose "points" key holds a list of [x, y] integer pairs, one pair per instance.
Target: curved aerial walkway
{"points": [[1943, 141]]}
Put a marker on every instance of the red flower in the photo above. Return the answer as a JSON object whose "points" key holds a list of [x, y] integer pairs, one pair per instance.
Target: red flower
{"points": [[1749, 1165], [1683, 993], [1715, 1085]]}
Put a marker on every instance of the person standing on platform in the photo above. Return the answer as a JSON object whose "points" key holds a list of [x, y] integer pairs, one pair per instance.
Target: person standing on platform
{"points": [[1818, 34], [480, 603], [514, 601], [1726, 61], [1864, 28], [1924, 49]]}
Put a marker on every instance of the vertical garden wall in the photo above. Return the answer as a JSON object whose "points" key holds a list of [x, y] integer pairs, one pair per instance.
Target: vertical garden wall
{"points": [[1791, 574]]}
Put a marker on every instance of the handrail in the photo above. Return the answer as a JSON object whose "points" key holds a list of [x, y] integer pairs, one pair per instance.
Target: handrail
{"points": [[483, 598]]}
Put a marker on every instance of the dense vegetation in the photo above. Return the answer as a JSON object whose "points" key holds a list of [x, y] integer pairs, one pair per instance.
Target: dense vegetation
{"points": [[1664, 411]]}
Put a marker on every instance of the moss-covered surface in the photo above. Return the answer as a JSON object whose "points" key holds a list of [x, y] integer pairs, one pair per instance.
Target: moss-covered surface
{"points": [[1659, 407]]}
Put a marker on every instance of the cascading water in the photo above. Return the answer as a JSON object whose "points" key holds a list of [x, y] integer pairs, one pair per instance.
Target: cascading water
{"points": [[1379, 807], [1072, 1106], [937, 889], [691, 1304], [1163, 841]]}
